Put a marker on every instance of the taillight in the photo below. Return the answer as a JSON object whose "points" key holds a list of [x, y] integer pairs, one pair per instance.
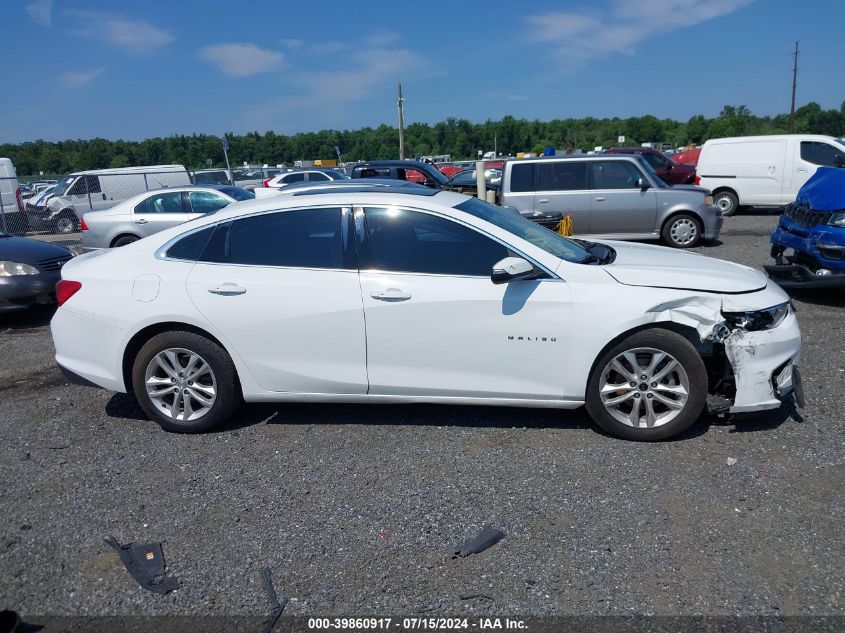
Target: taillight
{"points": [[698, 180], [267, 182], [18, 198], [82, 225], [65, 289]]}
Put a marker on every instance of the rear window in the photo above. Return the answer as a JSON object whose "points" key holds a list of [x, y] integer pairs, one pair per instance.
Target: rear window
{"points": [[191, 246], [522, 177]]}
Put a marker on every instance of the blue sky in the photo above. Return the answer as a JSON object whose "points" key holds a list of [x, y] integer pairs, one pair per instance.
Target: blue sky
{"points": [[132, 70]]}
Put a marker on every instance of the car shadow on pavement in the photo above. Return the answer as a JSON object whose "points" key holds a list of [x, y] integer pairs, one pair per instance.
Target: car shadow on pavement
{"points": [[833, 297], [36, 316]]}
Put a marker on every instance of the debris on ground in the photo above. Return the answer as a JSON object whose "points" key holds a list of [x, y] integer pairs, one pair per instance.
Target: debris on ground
{"points": [[278, 607], [486, 538], [145, 561], [730, 461]]}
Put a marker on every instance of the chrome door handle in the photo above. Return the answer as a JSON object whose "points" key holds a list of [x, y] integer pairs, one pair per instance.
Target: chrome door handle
{"points": [[227, 289], [543, 200], [140, 221], [801, 170], [600, 199], [391, 294]]}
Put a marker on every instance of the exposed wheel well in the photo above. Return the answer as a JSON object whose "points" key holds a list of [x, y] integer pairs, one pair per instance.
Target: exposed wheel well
{"points": [[142, 336], [122, 235], [719, 190], [675, 214], [711, 353]]}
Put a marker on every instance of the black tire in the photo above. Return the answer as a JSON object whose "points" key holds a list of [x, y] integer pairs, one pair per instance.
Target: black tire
{"points": [[689, 359], [123, 241], [66, 223], [682, 231], [228, 394], [727, 202]]}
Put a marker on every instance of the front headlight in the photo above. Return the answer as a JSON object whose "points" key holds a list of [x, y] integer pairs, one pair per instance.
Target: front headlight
{"points": [[759, 319], [708, 200], [837, 219], [12, 269]]}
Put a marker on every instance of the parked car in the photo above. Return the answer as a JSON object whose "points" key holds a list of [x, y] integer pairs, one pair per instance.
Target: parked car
{"points": [[11, 204], [764, 171], [613, 196], [670, 172], [100, 189], [299, 188], [254, 177], [812, 229], [410, 170], [688, 156], [37, 204], [466, 182], [29, 271], [304, 298], [154, 211], [312, 174]]}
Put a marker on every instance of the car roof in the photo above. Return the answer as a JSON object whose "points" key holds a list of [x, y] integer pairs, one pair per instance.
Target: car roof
{"points": [[131, 170], [401, 189], [596, 156], [391, 163], [348, 183]]}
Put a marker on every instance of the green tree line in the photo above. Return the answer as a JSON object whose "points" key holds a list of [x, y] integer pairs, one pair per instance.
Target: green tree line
{"points": [[459, 137]]}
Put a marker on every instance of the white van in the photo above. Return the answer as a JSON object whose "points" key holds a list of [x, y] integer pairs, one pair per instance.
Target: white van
{"points": [[100, 189], [12, 218], [764, 171]]}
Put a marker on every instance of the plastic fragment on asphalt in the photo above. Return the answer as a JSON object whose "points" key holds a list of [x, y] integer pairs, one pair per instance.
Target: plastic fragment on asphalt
{"points": [[730, 461], [486, 538], [145, 561]]}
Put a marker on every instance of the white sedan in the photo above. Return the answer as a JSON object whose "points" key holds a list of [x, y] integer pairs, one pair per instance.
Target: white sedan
{"points": [[419, 296]]}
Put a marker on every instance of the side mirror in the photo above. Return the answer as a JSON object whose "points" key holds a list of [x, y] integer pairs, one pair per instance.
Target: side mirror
{"points": [[643, 184], [839, 160], [511, 269]]}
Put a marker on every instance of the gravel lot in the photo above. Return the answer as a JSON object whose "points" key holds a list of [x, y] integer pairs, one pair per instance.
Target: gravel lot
{"points": [[354, 507]]}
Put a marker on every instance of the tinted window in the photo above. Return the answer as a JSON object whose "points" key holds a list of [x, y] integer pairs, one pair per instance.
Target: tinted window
{"points": [[822, 154], [409, 241], [295, 177], [191, 246], [562, 176], [93, 184], [317, 176], [522, 177], [615, 174], [161, 203], [211, 178], [307, 239], [372, 172], [206, 201], [656, 160], [238, 193]]}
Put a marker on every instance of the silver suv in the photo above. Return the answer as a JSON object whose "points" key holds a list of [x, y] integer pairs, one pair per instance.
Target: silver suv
{"points": [[610, 196]]}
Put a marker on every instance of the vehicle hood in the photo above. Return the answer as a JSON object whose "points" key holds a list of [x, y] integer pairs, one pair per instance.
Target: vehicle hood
{"points": [[824, 191], [663, 267], [702, 190], [27, 251]]}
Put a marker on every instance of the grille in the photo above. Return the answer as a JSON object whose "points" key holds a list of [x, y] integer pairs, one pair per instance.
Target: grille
{"points": [[803, 216], [55, 263]]}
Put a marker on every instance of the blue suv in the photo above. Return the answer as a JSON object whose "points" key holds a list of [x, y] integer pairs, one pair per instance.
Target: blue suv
{"points": [[813, 227]]}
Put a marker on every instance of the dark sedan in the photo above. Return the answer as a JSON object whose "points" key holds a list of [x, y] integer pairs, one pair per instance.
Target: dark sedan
{"points": [[29, 270], [466, 183]]}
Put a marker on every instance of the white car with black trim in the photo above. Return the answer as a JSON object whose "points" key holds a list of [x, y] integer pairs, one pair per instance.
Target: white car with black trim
{"points": [[420, 296]]}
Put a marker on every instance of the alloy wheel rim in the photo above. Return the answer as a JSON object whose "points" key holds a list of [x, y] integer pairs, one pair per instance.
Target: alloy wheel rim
{"points": [[683, 231], [181, 384], [724, 203], [644, 387]]}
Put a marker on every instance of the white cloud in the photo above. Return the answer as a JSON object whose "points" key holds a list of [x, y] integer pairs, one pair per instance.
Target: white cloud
{"points": [[293, 43], [135, 36], [581, 36], [242, 60], [41, 12], [77, 79], [380, 40]]}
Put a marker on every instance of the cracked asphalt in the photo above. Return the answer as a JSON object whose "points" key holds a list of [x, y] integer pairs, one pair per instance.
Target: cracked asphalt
{"points": [[354, 508]]}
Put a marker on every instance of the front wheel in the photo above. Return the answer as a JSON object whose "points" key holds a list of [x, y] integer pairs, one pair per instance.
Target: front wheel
{"points": [[650, 386], [66, 223], [185, 382], [682, 231]]}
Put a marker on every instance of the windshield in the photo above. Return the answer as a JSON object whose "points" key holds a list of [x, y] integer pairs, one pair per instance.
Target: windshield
{"points": [[336, 175], [661, 184], [522, 227], [63, 185]]}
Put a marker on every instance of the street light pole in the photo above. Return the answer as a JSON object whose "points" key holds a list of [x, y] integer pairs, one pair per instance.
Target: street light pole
{"points": [[401, 107]]}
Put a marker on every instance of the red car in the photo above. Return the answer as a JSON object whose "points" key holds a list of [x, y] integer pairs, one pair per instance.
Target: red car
{"points": [[670, 172]]}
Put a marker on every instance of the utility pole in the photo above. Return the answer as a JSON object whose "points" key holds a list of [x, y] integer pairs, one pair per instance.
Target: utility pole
{"points": [[401, 105], [794, 85]]}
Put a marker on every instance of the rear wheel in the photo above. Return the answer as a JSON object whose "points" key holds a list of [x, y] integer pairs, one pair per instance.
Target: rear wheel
{"points": [[185, 382], [682, 231], [727, 202], [650, 386], [123, 241]]}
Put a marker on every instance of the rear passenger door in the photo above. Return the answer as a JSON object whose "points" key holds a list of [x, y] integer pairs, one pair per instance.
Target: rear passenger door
{"points": [[618, 205], [159, 211], [562, 188], [282, 290]]}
